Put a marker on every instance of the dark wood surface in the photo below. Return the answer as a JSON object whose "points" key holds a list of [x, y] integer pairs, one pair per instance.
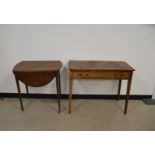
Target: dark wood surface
{"points": [[37, 66], [115, 70], [99, 65], [37, 74]]}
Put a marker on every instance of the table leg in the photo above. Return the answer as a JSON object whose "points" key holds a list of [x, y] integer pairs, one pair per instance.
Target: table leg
{"points": [[70, 94], [127, 94], [59, 81], [19, 94], [27, 90], [119, 89], [58, 85]]}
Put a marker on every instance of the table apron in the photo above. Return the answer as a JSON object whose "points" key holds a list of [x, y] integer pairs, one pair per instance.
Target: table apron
{"points": [[100, 74], [35, 79]]}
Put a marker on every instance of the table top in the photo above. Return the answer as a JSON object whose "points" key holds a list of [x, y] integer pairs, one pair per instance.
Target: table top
{"points": [[37, 66], [78, 65]]}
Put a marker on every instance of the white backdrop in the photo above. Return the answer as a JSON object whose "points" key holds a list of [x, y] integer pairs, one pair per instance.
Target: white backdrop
{"points": [[132, 43]]}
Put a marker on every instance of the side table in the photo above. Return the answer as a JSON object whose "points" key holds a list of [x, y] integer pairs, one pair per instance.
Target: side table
{"points": [[37, 74], [105, 70]]}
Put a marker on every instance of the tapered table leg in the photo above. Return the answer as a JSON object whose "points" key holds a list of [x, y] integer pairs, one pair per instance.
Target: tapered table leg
{"points": [[70, 94], [27, 90], [19, 94], [127, 94], [58, 85], [59, 82], [119, 89]]}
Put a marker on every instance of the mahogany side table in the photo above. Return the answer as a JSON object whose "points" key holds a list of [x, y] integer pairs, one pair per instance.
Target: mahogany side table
{"points": [[37, 74], [109, 70]]}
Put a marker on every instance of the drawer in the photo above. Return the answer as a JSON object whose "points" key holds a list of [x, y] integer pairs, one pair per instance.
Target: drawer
{"points": [[100, 74]]}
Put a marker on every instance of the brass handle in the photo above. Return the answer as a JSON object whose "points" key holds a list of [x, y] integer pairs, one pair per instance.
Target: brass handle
{"points": [[83, 75], [86, 75], [119, 75]]}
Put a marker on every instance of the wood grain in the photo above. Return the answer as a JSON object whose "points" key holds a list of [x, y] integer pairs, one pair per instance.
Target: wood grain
{"points": [[109, 70], [37, 74]]}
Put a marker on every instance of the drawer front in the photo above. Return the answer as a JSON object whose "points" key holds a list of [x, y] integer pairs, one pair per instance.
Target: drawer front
{"points": [[100, 74]]}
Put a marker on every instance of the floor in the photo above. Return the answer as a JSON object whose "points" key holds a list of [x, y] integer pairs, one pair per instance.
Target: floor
{"points": [[87, 115]]}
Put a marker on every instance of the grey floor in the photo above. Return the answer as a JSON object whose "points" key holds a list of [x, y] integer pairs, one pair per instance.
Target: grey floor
{"points": [[94, 115]]}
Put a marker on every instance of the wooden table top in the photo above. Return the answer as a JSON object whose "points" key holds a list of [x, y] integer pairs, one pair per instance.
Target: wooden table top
{"points": [[76, 65], [37, 66]]}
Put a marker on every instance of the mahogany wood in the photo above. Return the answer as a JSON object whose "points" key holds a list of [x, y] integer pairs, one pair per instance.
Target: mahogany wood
{"points": [[37, 74], [110, 70]]}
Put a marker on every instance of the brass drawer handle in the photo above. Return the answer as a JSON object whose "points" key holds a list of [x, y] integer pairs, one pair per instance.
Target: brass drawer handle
{"points": [[119, 75], [83, 75], [86, 75]]}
